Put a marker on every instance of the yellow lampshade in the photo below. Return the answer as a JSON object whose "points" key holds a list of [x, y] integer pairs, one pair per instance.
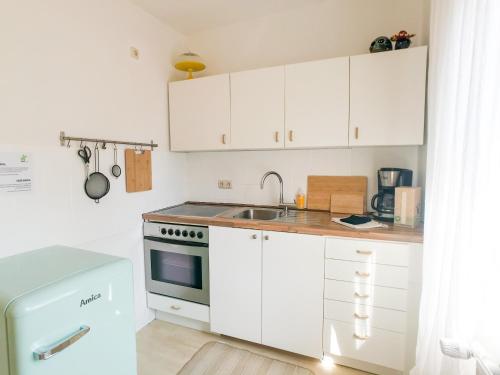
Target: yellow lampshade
{"points": [[189, 62]]}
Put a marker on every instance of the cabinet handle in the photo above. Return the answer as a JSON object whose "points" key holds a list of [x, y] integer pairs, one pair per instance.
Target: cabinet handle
{"points": [[356, 132], [362, 274], [266, 238], [364, 252], [361, 317], [358, 337], [254, 236], [357, 295], [277, 136], [175, 307], [290, 135], [223, 139]]}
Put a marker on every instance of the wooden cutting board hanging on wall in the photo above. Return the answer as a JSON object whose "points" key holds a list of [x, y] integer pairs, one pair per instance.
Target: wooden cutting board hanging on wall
{"points": [[138, 170], [321, 188]]}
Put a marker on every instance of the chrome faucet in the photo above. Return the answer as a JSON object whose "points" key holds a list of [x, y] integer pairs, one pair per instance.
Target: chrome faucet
{"points": [[266, 175]]}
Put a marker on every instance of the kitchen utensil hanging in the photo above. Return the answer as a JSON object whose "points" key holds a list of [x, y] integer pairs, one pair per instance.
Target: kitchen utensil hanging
{"points": [[96, 184], [116, 169], [85, 154]]}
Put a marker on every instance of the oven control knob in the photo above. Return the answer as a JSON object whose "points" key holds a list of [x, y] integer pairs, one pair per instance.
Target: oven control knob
{"points": [[163, 231], [184, 233], [170, 232], [192, 234], [199, 235], [177, 232]]}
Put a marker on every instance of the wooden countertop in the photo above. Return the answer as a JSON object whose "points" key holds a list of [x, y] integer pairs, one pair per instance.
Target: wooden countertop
{"points": [[303, 221]]}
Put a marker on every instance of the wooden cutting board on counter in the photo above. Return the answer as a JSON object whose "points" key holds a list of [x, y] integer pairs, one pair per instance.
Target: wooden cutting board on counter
{"points": [[343, 202], [321, 188], [138, 170]]}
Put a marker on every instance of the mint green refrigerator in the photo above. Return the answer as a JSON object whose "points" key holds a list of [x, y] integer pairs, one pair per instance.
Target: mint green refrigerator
{"points": [[66, 311]]}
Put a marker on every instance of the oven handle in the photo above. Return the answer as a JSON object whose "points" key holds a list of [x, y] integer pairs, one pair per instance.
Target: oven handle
{"points": [[175, 242]]}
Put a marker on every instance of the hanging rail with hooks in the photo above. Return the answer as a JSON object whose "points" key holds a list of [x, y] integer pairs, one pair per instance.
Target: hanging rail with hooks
{"points": [[64, 139]]}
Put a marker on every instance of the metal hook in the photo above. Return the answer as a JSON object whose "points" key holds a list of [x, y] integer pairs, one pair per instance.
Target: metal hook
{"points": [[103, 145], [81, 144], [69, 144], [116, 148]]}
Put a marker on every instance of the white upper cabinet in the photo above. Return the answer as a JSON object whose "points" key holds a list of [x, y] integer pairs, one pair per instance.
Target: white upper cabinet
{"points": [[292, 292], [367, 100], [317, 104], [388, 98], [257, 109], [200, 114]]}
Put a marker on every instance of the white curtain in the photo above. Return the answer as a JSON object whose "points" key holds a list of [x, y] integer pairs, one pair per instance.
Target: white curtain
{"points": [[461, 271]]}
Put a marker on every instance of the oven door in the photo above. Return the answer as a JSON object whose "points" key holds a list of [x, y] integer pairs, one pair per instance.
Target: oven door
{"points": [[177, 269]]}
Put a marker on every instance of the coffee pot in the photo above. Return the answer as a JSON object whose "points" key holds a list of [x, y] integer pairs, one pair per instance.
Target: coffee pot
{"points": [[388, 180]]}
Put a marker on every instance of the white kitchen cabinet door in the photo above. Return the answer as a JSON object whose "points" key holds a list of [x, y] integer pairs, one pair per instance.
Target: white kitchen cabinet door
{"points": [[292, 292], [236, 282], [200, 116], [317, 104], [388, 98], [257, 109]]}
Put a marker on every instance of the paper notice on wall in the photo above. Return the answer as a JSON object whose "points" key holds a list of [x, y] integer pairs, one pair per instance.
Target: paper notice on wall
{"points": [[15, 172]]}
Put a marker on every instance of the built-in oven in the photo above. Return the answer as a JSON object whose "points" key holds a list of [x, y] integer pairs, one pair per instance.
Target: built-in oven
{"points": [[176, 259]]}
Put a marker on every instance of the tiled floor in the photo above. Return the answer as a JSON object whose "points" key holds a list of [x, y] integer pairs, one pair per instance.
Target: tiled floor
{"points": [[163, 349]]}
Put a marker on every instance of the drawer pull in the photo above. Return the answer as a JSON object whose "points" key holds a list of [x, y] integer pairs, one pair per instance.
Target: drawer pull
{"points": [[362, 274], [361, 317], [357, 337], [357, 295], [254, 236], [364, 252], [266, 238], [175, 307]]}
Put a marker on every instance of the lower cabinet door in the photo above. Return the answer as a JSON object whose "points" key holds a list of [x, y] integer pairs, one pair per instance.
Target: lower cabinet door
{"points": [[292, 292], [236, 282], [378, 346]]}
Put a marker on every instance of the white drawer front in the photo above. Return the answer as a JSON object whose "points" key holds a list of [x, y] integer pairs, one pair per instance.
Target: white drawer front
{"points": [[367, 273], [365, 317], [365, 294], [384, 348], [179, 307], [395, 254]]}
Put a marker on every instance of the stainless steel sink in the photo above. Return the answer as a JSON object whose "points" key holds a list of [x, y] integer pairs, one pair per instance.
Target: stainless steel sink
{"points": [[259, 214]]}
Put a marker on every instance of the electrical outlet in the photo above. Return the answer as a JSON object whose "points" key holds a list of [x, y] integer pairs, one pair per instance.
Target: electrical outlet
{"points": [[225, 184], [134, 53]]}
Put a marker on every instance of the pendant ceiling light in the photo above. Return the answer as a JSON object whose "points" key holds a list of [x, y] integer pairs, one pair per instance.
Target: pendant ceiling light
{"points": [[189, 62]]}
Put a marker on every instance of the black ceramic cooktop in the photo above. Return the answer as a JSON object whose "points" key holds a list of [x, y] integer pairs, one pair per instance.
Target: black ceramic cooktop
{"points": [[199, 210]]}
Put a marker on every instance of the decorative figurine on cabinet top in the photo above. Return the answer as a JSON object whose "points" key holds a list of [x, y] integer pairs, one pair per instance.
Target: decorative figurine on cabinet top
{"points": [[381, 44], [402, 39]]}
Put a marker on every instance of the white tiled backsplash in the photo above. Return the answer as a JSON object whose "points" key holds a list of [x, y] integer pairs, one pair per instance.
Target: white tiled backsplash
{"points": [[245, 169]]}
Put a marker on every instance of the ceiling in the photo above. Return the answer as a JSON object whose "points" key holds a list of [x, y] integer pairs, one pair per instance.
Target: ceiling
{"points": [[191, 16]]}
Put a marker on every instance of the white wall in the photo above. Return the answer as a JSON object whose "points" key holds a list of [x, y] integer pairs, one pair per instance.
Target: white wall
{"points": [[245, 170], [65, 65], [332, 28]]}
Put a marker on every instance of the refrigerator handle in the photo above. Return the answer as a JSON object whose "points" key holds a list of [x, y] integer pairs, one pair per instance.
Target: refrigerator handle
{"points": [[45, 353]]}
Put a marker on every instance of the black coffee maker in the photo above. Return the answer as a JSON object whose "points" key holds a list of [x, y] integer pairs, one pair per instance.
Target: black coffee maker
{"points": [[388, 180]]}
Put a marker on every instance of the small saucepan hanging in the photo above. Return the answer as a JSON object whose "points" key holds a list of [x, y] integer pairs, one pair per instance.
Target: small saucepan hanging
{"points": [[97, 184]]}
